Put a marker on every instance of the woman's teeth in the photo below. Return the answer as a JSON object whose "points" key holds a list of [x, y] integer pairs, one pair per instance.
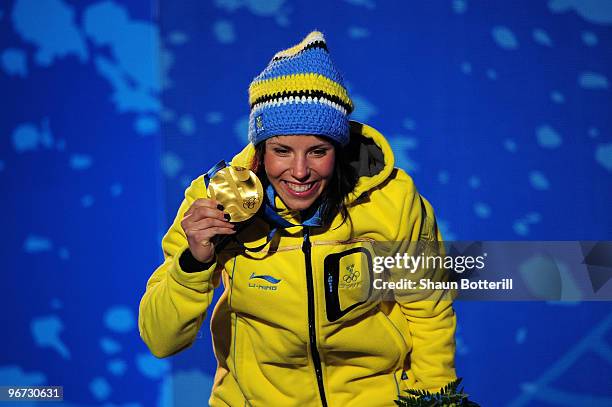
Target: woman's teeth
{"points": [[299, 187]]}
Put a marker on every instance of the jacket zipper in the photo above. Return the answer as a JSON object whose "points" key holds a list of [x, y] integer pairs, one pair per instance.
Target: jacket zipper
{"points": [[316, 359]]}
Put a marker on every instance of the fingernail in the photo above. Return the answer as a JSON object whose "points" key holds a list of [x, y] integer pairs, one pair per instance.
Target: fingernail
{"points": [[220, 207], [226, 216]]}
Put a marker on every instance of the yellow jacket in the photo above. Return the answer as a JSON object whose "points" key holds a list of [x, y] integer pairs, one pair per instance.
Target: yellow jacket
{"points": [[294, 325]]}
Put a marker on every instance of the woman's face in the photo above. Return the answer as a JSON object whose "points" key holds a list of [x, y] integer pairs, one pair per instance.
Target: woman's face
{"points": [[299, 168]]}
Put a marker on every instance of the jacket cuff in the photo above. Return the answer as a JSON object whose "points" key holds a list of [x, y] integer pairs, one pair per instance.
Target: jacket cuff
{"points": [[200, 280], [190, 264]]}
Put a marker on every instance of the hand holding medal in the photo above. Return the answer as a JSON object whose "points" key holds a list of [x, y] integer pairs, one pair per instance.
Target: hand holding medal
{"points": [[202, 223], [235, 195]]}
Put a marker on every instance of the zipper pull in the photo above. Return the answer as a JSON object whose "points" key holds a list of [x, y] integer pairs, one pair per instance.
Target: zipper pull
{"points": [[306, 243]]}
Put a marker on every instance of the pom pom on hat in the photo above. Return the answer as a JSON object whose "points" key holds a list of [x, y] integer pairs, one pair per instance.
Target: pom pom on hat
{"points": [[300, 92]]}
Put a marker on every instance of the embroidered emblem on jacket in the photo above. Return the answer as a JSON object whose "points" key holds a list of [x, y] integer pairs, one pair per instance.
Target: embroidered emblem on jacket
{"points": [[351, 277]]}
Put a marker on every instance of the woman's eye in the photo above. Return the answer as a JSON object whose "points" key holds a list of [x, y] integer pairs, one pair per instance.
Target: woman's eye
{"points": [[281, 151], [319, 152]]}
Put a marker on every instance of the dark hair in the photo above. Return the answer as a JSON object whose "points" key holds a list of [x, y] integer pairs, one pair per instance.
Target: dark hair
{"points": [[342, 182]]}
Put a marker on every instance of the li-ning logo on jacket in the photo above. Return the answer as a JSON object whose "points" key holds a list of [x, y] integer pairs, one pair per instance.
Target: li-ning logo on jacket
{"points": [[266, 278]]}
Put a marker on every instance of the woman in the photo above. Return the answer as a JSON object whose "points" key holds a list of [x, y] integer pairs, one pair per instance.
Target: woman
{"points": [[298, 323]]}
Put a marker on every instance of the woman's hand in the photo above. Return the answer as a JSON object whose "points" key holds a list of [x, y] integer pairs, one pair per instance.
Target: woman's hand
{"points": [[202, 222]]}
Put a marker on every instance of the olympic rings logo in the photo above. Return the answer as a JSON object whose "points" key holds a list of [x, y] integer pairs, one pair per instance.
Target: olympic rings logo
{"points": [[250, 202], [351, 274]]}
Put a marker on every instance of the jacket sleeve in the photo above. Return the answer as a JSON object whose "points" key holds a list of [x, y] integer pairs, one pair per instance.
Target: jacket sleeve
{"points": [[431, 318], [175, 301]]}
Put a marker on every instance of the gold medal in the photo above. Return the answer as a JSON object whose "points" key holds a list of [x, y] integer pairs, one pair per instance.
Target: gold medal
{"points": [[239, 191]]}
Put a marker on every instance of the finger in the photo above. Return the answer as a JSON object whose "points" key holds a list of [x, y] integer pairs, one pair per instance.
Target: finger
{"points": [[195, 221], [199, 214], [206, 202], [208, 223], [202, 202], [224, 231], [209, 234]]}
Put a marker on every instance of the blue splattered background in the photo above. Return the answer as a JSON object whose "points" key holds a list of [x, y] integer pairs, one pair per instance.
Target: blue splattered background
{"points": [[110, 108]]}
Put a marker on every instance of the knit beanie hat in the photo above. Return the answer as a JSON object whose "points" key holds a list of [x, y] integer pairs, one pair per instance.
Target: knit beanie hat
{"points": [[300, 92]]}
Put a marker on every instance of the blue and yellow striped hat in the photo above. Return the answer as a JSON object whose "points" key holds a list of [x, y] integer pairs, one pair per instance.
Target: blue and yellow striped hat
{"points": [[300, 92]]}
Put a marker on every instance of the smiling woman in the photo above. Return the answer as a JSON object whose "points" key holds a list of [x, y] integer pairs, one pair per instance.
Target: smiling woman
{"points": [[299, 168], [298, 323], [306, 172]]}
